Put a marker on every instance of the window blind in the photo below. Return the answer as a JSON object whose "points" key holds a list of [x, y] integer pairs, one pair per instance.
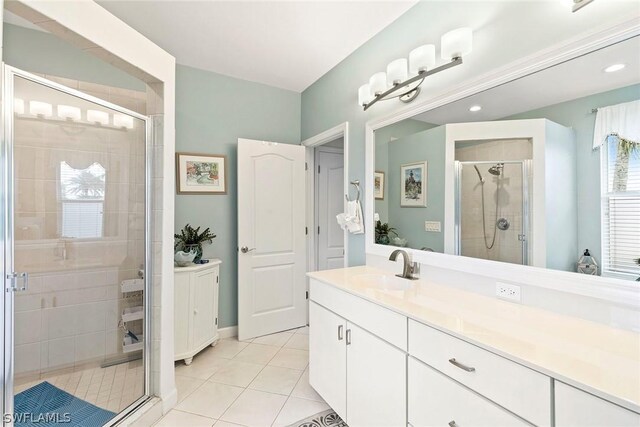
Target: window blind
{"points": [[620, 210]]}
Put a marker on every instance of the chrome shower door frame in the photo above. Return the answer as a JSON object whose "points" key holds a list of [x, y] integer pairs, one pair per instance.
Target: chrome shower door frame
{"points": [[525, 167], [6, 234]]}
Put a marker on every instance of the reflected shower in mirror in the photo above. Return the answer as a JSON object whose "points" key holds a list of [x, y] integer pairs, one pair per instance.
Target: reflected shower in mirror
{"points": [[538, 171]]}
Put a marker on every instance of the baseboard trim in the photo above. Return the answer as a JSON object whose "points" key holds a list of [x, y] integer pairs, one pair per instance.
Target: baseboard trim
{"points": [[228, 332]]}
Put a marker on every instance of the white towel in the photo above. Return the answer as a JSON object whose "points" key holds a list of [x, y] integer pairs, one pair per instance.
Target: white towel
{"points": [[352, 219]]}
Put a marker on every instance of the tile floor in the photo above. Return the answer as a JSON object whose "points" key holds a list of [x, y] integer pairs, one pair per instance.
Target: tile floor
{"points": [[257, 383], [112, 388]]}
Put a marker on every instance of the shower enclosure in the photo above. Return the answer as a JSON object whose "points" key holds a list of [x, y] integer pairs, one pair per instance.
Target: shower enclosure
{"points": [[492, 210], [75, 183]]}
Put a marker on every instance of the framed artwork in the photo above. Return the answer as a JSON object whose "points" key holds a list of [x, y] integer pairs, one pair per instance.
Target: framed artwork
{"points": [[201, 173], [413, 181], [378, 185]]}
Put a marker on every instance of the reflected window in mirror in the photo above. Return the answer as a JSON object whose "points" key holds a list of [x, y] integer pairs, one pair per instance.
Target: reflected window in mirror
{"points": [[82, 201]]}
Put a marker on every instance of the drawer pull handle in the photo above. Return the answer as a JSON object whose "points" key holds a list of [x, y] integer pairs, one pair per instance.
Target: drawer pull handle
{"points": [[452, 423], [348, 336], [457, 364], [340, 327]]}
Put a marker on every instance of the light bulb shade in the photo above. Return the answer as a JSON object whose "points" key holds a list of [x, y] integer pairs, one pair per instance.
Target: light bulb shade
{"points": [[39, 108], [69, 112], [456, 43], [364, 95], [95, 116], [378, 83], [397, 72], [123, 121], [422, 58], [18, 106]]}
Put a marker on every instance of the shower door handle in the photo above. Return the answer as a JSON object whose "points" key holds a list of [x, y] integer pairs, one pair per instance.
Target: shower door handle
{"points": [[13, 279]]}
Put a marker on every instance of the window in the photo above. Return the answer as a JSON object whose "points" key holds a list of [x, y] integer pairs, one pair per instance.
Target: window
{"points": [[620, 207], [82, 196]]}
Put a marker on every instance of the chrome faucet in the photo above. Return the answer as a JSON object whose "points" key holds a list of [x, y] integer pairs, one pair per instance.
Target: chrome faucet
{"points": [[409, 270]]}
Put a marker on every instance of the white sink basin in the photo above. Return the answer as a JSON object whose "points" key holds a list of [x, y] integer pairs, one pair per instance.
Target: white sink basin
{"points": [[386, 282]]}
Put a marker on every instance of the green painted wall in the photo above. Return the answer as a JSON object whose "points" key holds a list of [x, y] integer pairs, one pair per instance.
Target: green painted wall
{"points": [[212, 112], [426, 146], [383, 138], [43, 53], [577, 114]]}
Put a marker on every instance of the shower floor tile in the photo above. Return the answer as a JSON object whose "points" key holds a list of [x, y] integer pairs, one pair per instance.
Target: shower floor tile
{"points": [[112, 388]]}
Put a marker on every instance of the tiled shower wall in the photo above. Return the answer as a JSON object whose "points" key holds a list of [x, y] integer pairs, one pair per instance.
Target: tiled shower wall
{"points": [[68, 318], [508, 188]]}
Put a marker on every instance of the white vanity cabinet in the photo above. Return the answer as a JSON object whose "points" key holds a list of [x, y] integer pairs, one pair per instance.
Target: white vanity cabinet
{"points": [[575, 407], [195, 308], [362, 377]]}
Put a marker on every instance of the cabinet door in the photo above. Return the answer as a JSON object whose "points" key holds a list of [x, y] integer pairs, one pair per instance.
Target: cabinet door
{"points": [[578, 408], [437, 400], [376, 381], [204, 301], [327, 357]]}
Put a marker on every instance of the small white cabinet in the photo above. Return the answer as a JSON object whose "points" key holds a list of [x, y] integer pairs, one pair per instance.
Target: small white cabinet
{"points": [[195, 308], [362, 377]]}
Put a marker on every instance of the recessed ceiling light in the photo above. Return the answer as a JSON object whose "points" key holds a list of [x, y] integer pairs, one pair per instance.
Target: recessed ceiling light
{"points": [[475, 108], [613, 68]]}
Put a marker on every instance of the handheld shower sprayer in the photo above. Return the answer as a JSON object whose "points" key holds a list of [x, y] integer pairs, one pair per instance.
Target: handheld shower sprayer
{"points": [[479, 175]]}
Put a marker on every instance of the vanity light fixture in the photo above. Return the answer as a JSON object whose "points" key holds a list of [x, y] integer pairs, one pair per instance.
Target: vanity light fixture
{"points": [[475, 108], [613, 68], [123, 121], [397, 83], [99, 117], [41, 109], [69, 112]]}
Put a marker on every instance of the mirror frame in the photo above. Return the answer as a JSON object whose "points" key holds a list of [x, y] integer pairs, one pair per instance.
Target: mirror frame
{"points": [[618, 291]]}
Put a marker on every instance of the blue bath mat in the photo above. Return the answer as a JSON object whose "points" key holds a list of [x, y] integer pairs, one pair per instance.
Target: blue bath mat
{"points": [[45, 405]]}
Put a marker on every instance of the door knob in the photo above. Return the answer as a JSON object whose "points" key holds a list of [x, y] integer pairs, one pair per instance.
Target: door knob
{"points": [[245, 249]]}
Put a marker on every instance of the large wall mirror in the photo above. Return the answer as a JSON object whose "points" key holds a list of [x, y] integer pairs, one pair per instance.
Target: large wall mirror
{"points": [[541, 171]]}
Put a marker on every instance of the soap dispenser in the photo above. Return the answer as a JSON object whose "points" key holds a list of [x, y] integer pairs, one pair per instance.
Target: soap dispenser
{"points": [[587, 264]]}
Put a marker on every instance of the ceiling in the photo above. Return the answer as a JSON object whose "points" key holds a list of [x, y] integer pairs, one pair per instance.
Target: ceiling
{"points": [[285, 44], [573, 79]]}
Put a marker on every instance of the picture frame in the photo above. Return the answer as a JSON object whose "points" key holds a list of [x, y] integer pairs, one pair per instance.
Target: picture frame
{"points": [[413, 185], [378, 185], [198, 173]]}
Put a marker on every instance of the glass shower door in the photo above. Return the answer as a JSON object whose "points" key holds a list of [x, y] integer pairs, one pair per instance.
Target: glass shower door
{"points": [[492, 210], [76, 250]]}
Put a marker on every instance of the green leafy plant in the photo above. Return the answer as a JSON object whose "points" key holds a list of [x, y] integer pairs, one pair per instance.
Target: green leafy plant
{"points": [[383, 231], [191, 238]]}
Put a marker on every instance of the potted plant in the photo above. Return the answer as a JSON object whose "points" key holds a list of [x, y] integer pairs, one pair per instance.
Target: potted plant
{"points": [[190, 239], [383, 231]]}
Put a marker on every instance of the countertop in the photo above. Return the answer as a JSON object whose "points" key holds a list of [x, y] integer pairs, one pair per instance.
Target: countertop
{"points": [[591, 356], [195, 267]]}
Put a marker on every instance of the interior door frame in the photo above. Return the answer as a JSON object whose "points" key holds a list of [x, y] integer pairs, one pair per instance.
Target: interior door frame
{"points": [[339, 131], [7, 241]]}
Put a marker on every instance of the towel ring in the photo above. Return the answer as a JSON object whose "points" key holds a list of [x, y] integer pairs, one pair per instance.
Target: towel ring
{"points": [[356, 184]]}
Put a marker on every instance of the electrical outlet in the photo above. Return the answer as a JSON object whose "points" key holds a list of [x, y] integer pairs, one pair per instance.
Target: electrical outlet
{"points": [[432, 226], [508, 291]]}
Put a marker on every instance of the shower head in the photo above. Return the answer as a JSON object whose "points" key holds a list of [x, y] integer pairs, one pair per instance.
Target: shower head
{"points": [[479, 175], [496, 169]]}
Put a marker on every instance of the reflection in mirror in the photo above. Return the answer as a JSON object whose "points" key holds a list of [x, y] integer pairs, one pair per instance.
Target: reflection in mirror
{"points": [[542, 171]]}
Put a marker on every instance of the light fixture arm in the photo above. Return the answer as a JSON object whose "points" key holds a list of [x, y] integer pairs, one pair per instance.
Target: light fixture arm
{"points": [[418, 78]]}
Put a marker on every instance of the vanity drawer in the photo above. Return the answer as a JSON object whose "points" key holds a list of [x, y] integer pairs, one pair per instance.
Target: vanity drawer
{"points": [[578, 408], [436, 400], [521, 390], [386, 324]]}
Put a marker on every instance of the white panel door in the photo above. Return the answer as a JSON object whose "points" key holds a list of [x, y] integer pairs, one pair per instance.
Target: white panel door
{"points": [[328, 357], [329, 203], [376, 381], [271, 238]]}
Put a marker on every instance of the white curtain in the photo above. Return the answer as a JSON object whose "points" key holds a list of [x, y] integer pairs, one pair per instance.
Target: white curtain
{"points": [[622, 120]]}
